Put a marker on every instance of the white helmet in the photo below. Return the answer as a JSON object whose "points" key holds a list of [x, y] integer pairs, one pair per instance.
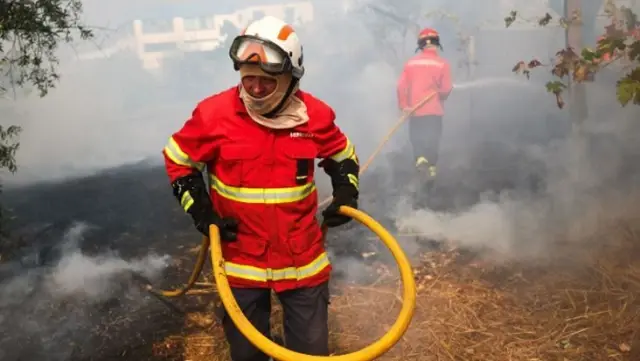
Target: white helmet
{"points": [[271, 43]]}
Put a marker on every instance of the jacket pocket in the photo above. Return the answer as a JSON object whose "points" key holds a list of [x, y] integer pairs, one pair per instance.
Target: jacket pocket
{"points": [[301, 156], [301, 150], [237, 162], [251, 246], [298, 165], [305, 235]]}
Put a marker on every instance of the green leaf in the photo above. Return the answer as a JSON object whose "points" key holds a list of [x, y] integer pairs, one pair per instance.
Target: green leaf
{"points": [[628, 88], [634, 51], [588, 54], [555, 87]]}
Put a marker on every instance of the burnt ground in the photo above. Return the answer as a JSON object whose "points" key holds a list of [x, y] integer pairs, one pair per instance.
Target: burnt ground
{"points": [[133, 213]]}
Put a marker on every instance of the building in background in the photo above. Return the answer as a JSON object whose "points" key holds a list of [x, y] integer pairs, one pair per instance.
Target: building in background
{"points": [[156, 38]]}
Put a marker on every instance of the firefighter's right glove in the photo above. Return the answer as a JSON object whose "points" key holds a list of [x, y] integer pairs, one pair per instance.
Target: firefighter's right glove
{"points": [[345, 183], [192, 194]]}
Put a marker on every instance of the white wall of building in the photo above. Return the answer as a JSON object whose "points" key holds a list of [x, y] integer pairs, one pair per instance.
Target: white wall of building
{"points": [[205, 33]]}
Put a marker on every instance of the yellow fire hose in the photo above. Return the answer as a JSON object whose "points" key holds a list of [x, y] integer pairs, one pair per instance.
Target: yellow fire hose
{"points": [[280, 353]]}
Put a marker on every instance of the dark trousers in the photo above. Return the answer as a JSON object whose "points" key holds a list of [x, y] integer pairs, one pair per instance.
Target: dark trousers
{"points": [[424, 134], [306, 317]]}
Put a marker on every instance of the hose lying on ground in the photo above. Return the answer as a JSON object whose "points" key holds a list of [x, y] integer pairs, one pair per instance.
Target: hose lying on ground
{"points": [[193, 278], [280, 353]]}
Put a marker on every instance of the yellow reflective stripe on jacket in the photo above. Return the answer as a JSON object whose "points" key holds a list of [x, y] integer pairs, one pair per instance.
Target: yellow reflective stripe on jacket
{"points": [[262, 195], [353, 179], [178, 156], [290, 273], [349, 152], [186, 201]]}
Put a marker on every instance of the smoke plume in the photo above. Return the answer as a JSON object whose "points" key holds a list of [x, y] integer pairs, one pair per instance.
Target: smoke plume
{"points": [[51, 303]]}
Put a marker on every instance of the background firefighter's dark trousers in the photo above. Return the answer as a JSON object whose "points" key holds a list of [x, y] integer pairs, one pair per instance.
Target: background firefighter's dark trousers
{"points": [[424, 134], [306, 314]]}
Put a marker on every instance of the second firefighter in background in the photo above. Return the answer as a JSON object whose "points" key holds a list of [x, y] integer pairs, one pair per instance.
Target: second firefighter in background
{"points": [[426, 77], [257, 142]]}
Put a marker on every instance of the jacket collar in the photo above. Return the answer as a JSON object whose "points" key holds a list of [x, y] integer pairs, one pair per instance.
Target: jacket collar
{"points": [[430, 52]]}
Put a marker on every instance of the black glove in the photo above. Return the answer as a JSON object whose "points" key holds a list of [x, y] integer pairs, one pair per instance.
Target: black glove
{"points": [[192, 194], [344, 180], [344, 196]]}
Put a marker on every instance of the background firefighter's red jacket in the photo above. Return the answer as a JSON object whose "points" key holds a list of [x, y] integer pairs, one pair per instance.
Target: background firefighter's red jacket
{"points": [[265, 179], [424, 74]]}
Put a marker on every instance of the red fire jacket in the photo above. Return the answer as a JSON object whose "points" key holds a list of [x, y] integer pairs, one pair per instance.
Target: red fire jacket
{"points": [[424, 74], [265, 179]]}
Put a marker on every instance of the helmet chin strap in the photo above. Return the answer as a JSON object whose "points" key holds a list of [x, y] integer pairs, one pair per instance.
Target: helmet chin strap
{"points": [[285, 98]]}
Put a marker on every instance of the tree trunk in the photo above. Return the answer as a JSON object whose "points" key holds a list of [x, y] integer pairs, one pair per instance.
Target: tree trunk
{"points": [[580, 171], [577, 92]]}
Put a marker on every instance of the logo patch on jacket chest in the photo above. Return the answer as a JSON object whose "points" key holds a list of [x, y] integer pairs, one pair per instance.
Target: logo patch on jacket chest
{"points": [[300, 135]]}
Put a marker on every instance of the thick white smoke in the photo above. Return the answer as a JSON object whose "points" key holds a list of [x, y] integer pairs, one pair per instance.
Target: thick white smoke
{"points": [[57, 305]]}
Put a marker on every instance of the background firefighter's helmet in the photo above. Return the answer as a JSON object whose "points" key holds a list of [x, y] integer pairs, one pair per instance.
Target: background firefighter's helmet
{"points": [[271, 43], [428, 36]]}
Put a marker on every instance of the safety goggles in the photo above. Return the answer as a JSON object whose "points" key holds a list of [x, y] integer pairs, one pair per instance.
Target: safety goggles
{"points": [[248, 49]]}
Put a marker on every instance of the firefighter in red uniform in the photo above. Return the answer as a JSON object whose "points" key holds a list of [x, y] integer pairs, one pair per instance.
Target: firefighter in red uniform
{"points": [[424, 75], [256, 143]]}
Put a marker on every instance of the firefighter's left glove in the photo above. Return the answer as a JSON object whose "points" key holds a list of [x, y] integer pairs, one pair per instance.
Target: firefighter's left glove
{"points": [[344, 180], [345, 196], [192, 194]]}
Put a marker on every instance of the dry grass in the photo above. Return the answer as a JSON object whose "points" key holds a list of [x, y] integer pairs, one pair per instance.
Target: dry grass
{"points": [[586, 311]]}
